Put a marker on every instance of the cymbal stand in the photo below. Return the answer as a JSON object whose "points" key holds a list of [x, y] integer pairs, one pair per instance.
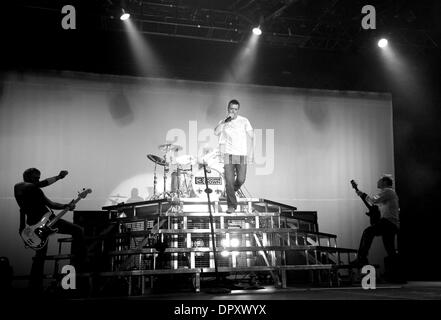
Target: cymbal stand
{"points": [[155, 182], [154, 196], [165, 178], [165, 194]]}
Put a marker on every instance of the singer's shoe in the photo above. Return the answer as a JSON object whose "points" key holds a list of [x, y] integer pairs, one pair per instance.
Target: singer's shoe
{"points": [[231, 210]]}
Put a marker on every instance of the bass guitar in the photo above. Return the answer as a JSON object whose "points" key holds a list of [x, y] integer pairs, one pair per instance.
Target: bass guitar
{"points": [[35, 236], [374, 212]]}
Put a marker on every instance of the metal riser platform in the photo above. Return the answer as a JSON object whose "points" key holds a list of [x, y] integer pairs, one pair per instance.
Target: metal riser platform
{"points": [[173, 236]]}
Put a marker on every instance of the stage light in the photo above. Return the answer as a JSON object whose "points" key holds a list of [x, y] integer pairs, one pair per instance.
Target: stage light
{"points": [[225, 253], [257, 31], [124, 15], [382, 43], [234, 242]]}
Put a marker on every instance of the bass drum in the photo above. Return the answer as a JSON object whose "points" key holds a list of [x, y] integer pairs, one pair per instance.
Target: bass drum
{"points": [[215, 182], [214, 160]]}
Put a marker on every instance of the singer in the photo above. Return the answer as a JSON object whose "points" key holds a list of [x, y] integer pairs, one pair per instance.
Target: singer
{"points": [[234, 133]]}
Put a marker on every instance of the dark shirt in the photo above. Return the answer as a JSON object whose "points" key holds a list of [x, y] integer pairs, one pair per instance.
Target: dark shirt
{"points": [[32, 201]]}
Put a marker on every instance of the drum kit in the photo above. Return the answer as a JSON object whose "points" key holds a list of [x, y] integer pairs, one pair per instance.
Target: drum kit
{"points": [[114, 199], [186, 173]]}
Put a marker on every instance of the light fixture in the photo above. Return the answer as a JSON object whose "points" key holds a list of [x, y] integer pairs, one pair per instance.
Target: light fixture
{"points": [[382, 43], [225, 253], [234, 242], [257, 31], [124, 15]]}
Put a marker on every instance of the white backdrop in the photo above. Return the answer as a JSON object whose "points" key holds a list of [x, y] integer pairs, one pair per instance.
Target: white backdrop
{"points": [[100, 128]]}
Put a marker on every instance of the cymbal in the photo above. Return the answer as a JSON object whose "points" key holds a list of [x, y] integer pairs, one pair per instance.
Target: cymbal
{"points": [[169, 147], [118, 196], [157, 160]]}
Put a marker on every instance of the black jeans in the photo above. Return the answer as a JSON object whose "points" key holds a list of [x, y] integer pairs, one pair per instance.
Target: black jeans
{"points": [[383, 228], [78, 249], [235, 168]]}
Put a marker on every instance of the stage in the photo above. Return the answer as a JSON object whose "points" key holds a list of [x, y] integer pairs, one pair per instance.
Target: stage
{"points": [[135, 109]]}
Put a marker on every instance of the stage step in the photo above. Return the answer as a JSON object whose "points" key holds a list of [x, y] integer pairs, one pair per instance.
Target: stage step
{"points": [[160, 237]]}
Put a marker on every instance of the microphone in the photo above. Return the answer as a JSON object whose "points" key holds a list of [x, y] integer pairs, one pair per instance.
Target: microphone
{"points": [[228, 119]]}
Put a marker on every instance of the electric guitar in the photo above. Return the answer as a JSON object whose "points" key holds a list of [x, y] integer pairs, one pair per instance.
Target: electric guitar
{"points": [[374, 212], [35, 236]]}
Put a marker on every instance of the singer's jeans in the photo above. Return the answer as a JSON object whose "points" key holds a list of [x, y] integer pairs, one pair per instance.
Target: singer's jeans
{"points": [[235, 173]]}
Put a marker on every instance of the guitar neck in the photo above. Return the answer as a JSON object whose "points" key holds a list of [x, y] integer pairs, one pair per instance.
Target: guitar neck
{"points": [[354, 185], [62, 213], [367, 204]]}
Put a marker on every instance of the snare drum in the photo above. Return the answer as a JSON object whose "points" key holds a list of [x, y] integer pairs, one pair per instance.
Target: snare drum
{"points": [[186, 160], [215, 182]]}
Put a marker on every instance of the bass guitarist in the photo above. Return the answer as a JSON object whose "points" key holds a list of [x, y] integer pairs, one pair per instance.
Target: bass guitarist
{"points": [[33, 206], [387, 226]]}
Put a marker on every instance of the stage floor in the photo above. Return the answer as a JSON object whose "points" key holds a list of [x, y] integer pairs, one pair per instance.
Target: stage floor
{"points": [[409, 291], [384, 291], [408, 298]]}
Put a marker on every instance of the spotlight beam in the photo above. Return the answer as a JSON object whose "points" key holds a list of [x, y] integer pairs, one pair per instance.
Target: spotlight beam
{"points": [[244, 62], [145, 58]]}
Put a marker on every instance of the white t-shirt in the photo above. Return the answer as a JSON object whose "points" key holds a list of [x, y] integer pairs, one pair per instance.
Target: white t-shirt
{"points": [[233, 138], [387, 201]]}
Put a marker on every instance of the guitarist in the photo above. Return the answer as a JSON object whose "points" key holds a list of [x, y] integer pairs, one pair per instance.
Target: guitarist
{"points": [[33, 206], [387, 226]]}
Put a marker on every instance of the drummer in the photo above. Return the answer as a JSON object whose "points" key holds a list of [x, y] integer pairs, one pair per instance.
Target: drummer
{"points": [[233, 133]]}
